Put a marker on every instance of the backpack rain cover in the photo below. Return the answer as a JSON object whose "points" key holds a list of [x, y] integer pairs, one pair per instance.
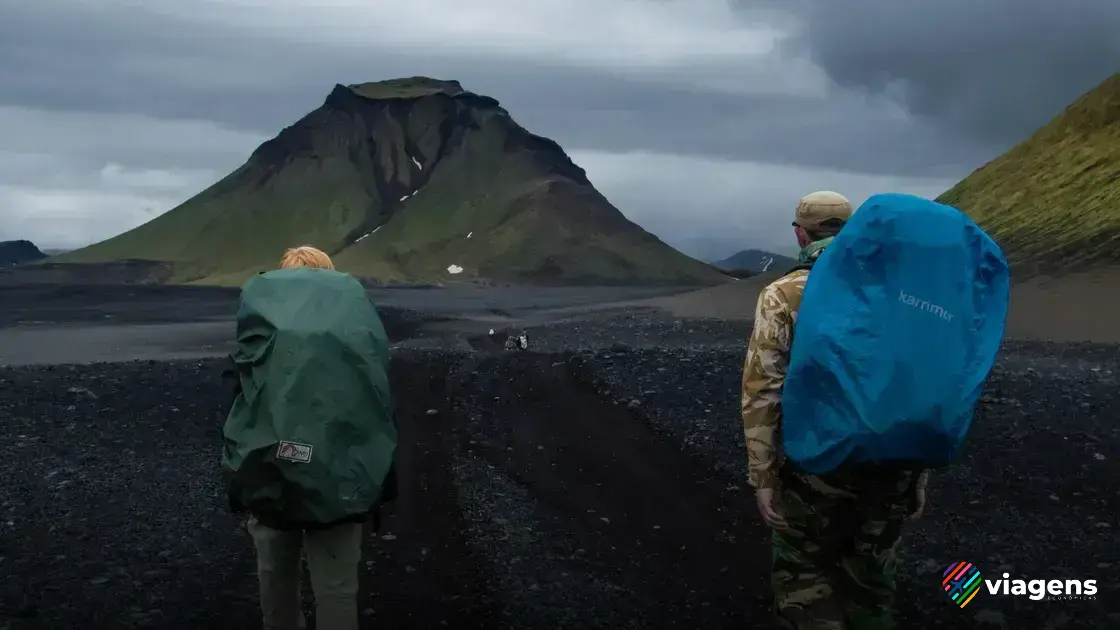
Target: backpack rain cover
{"points": [[898, 328], [311, 437]]}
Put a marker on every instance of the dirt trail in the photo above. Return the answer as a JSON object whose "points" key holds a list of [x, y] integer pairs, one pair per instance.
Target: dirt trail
{"points": [[660, 524], [424, 572], [524, 471]]}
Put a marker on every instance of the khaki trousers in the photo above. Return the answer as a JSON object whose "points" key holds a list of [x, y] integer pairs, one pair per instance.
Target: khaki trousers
{"points": [[333, 556]]}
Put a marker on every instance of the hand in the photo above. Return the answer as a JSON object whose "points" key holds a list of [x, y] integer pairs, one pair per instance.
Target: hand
{"points": [[767, 507], [919, 503]]}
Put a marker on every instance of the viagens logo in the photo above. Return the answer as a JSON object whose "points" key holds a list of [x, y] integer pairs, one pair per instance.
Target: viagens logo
{"points": [[961, 581]]}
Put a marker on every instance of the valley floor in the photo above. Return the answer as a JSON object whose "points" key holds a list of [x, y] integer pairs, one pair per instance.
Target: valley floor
{"points": [[597, 480]]}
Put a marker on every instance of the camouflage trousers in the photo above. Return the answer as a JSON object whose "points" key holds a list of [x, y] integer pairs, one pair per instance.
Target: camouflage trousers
{"points": [[834, 566]]}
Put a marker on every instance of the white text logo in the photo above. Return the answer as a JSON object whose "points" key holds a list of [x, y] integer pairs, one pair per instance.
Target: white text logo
{"points": [[1043, 589], [924, 305]]}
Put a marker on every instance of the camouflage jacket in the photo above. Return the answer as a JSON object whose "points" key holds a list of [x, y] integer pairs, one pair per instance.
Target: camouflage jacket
{"points": [[764, 370], [764, 374]]}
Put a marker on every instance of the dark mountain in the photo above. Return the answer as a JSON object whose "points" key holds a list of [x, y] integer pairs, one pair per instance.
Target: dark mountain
{"points": [[17, 252], [408, 180], [754, 261]]}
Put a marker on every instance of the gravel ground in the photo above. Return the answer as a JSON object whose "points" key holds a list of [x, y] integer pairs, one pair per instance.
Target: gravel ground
{"points": [[1035, 493], [595, 481]]}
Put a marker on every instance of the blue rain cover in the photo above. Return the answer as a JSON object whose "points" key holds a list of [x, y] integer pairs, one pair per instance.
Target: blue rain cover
{"points": [[898, 328]]}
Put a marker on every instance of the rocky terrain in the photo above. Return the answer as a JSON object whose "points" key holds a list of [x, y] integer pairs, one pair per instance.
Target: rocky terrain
{"points": [[595, 480]]}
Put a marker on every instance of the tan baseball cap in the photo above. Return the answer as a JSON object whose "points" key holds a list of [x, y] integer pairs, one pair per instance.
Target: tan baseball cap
{"points": [[815, 210]]}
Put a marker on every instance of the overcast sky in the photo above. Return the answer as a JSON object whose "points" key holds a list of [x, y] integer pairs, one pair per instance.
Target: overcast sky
{"points": [[697, 118]]}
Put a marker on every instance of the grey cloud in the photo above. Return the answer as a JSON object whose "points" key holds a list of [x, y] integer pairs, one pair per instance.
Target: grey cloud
{"points": [[87, 84], [682, 199], [89, 58], [994, 70], [91, 140], [841, 133], [98, 59]]}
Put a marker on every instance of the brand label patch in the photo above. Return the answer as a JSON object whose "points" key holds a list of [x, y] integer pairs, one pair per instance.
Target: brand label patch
{"points": [[294, 452]]}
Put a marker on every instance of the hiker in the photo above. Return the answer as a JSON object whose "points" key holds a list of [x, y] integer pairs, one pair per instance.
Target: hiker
{"points": [[843, 425], [817, 538], [309, 437]]}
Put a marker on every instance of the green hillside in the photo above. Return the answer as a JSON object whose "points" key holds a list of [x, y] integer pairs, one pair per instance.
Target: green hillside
{"points": [[411, 180], [1053, 200]]}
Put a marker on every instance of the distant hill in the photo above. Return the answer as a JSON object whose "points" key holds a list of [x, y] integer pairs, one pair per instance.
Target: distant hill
{"points": [[407, 180], [712, 248], [1053, 200], [17, 252], [755, 261]]}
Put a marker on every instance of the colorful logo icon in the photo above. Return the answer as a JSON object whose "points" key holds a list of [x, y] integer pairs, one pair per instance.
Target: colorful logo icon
{"points": [[961, 582]]}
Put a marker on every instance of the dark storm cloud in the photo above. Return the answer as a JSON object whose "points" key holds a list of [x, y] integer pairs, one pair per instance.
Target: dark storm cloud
{"points": [[842, 132], [992, 69], [85, 58], [110, 109], [81, 57]]}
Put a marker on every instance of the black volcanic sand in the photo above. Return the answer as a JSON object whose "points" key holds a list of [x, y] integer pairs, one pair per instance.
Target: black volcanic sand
{"points": [[58, 303], [597, 480], [113, 304]]}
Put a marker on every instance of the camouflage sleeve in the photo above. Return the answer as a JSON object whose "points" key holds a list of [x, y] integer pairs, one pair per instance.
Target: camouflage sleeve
{"points": [[763, 374]]}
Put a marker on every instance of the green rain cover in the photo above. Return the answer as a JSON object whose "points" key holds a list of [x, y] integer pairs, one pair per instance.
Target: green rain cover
{"points": [[311, 437]]}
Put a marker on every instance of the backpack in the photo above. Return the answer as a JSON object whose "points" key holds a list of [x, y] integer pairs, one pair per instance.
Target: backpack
{"points": [[310, 439], [898, 328]]}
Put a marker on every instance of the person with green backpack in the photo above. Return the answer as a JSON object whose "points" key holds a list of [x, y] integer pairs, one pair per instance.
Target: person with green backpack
{"points": [[310, 436], [899, 310]]}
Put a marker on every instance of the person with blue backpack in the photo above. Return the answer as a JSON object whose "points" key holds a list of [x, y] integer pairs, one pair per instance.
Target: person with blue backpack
{"points": [[899, 311]]}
